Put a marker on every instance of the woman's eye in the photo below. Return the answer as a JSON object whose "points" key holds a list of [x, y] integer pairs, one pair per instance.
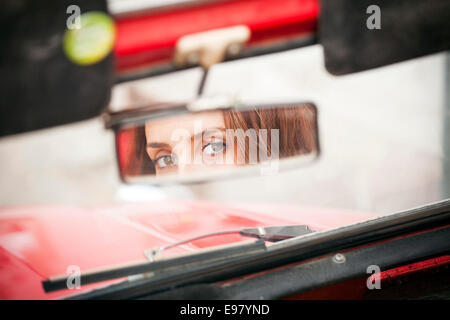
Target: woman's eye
{"points": [[166, 161], [214, 148]]}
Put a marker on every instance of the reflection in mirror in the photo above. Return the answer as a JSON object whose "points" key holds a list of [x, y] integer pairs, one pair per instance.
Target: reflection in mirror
{"points": [[198, 146]]}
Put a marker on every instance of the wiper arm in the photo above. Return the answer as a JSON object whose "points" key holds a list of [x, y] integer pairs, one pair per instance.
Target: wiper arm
{"points": [[272, 234], [275, 234]]}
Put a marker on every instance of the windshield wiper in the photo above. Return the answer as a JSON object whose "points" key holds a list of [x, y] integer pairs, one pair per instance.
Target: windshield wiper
{"points": [[202, 256], [272, 234]]}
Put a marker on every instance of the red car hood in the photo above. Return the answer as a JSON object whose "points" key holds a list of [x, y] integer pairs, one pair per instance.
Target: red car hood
{"points": [[37, 242]]}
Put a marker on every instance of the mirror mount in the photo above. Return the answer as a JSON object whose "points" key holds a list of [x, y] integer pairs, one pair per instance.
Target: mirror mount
{"points": [[208, 48]]}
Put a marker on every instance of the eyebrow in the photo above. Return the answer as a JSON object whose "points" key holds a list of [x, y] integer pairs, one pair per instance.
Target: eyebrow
{"points": [[207, 131], [198, 135], [157, 145]]}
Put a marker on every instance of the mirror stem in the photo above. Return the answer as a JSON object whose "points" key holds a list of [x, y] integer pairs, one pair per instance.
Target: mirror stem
{"points": [[202, 82]]}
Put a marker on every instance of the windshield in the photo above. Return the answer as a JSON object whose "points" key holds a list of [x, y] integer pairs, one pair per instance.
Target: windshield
{"points": [[384, 147], [383, 134]]}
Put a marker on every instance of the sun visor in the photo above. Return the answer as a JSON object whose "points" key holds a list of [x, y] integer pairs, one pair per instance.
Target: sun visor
{"points": [[361, 35], [47, 77]]}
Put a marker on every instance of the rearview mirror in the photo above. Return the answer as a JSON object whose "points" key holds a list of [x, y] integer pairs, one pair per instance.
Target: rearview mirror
{"points": [[174, 145]]}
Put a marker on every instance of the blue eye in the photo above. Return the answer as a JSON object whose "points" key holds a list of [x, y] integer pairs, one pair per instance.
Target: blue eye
{"points": [[166, 161], [214, 148]]}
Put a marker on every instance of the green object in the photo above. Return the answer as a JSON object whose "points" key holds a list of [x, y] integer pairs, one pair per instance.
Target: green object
{"points": [[92, 41]]}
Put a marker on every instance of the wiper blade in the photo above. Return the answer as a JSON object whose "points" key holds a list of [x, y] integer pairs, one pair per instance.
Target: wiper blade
{"points": [[146, 268], [203, 256]]}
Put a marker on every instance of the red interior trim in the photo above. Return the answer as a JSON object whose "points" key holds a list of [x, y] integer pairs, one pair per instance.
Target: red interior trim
{"points": [[152, 37]]}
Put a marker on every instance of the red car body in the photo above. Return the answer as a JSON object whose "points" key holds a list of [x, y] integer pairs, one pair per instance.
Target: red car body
{"points": [[37, 242]]}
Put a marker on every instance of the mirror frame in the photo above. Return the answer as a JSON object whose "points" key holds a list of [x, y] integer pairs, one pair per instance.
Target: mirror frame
{"points": [[138, 116]]}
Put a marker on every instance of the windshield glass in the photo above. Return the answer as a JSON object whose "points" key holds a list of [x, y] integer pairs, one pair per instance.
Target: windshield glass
{"points": [[384, 147], [383, 134]]}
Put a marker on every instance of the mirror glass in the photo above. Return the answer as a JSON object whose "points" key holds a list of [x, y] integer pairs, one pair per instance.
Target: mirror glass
{"points": [[200, 146]]}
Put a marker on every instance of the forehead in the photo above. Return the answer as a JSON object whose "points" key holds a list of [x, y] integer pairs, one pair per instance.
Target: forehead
{"points": [[161, 130]]}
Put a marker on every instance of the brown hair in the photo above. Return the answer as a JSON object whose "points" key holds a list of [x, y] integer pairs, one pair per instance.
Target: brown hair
{"points": [[297, 127]]}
